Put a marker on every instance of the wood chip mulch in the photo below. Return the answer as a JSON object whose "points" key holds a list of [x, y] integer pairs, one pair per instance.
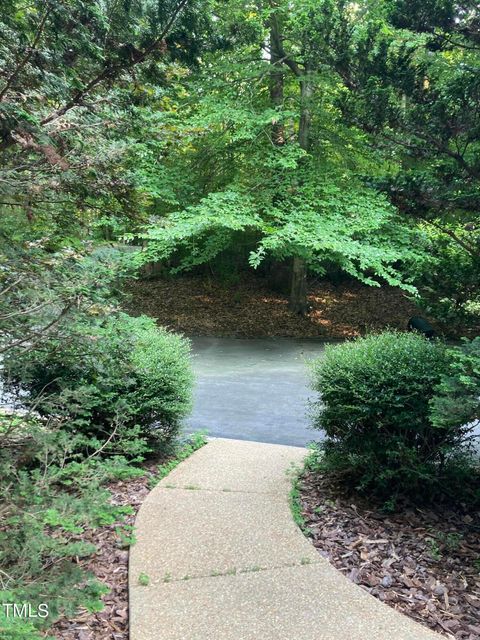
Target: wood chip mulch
{"points": [[423, 562], [200, 306], [110, 565]]}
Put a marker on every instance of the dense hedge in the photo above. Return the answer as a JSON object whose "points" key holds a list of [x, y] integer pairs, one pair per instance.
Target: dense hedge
{"points": [[121, 374], [376, 410]]}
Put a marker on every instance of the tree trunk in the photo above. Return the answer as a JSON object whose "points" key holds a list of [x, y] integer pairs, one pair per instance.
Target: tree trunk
{"points": [[298, 291], [276, 76], [306, 91], [298, 286]]}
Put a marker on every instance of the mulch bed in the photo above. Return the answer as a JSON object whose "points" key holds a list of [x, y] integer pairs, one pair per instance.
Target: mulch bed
{"points": [[198, 306], [110, 566], [425, 563]]}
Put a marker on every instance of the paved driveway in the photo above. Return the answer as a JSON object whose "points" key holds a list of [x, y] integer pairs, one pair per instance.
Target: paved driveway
{"points": [[254, 389]]}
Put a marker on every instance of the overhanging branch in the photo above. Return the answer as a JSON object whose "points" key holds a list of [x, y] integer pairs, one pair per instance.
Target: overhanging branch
{"points": [[114, 69]]}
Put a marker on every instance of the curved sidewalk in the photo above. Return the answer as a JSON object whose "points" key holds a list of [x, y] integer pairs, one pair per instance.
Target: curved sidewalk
{"points": [[225, 560]]}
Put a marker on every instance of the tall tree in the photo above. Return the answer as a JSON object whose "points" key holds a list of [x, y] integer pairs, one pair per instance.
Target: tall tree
{"points": [[298, 289], [305, 200], [298, 292], [412, 77]]}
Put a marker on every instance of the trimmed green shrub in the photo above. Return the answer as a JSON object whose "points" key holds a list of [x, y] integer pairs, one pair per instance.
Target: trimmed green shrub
{"points": [[121, 375], [375, 410]]}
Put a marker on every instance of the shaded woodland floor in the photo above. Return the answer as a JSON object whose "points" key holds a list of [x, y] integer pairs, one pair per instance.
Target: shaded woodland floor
{"points": [[109, 564], [422, 562], [198, 306]]}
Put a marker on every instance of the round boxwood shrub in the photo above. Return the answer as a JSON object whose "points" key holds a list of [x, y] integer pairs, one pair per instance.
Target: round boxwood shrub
{"points": [[375, 411], [120, 373]]}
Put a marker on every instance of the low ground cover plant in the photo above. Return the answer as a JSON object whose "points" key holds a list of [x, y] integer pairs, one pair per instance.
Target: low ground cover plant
{"points": [[393, 427], [52, 491]]}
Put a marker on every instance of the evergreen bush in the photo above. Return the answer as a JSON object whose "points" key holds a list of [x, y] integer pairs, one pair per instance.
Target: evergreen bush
{"points": [[375, 408], [120, 375]]}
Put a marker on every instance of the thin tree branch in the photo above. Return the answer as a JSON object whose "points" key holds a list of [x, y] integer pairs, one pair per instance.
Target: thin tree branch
{"points": [[40, 333], [105, 444], [470, 249], [442, 148], [10, 286], [113, 70], [456, 43]]}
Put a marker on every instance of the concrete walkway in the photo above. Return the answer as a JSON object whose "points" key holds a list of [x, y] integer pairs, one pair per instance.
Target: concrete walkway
{"points": [[225, 560]]}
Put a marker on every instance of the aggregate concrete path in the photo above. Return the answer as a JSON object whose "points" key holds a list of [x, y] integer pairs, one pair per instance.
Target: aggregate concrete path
{"points": [[254, 389], [225, 560]]}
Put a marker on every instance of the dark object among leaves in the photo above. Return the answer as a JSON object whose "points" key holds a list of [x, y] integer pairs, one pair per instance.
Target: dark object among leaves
{"points": [[416, 323]]}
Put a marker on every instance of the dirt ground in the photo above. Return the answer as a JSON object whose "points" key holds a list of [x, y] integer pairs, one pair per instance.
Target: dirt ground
{"points": [[109, 564], [196, 306], [423, 562]]}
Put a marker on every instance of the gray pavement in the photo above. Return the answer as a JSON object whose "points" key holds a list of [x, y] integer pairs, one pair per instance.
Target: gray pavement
{"points": [[254, 389], [225, 561]]}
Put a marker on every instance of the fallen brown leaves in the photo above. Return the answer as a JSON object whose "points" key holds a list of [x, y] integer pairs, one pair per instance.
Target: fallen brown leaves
{"points": [[425, 563], [199, 306], [110, 566]]}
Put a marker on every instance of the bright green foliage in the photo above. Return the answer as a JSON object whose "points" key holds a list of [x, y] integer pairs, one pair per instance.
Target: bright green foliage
{"points": [[121, 377], [236, 185], [375, 410], [332, 223], [456, 404]]}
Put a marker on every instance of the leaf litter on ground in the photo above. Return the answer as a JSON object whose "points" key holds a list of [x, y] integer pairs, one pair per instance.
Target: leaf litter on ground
{"points": [[423, 562]]}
